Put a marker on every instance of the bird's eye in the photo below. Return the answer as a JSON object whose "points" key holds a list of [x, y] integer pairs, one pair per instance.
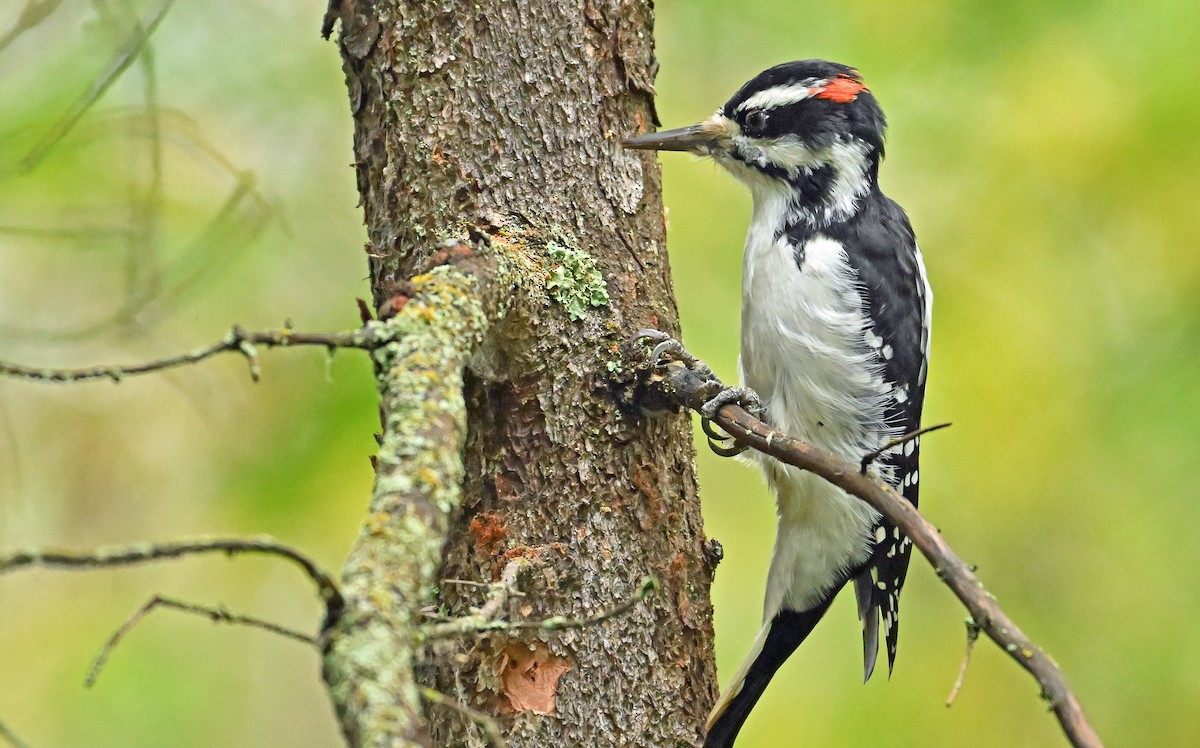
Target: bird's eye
{"points": [[756, 121]]}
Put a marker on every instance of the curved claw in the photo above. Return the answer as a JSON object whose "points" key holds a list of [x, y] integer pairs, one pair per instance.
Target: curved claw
{"points": [[711, 432], [718, 439], [733, 451], [673, 347], [650, 334]]}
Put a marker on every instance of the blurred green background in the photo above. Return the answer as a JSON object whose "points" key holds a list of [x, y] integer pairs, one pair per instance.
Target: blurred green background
{"points": [[1045, 152]]}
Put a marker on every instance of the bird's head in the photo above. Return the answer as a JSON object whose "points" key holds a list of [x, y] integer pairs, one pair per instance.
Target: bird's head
{"points": [[808, 130]]}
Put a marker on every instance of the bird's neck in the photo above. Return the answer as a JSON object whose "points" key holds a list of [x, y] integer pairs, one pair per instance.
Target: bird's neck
{"points": [[829, 191]]}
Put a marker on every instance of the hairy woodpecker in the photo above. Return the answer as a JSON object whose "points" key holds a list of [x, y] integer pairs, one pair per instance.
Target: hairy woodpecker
{"points": [[835, 340]]}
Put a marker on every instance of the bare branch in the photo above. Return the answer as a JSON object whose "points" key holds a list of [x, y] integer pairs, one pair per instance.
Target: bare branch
{"points": [[972, 637], [487, 613], [558, 623], [138, 554], [237, 340], [138, 39], [489, 725], [874, 455], [485, 619], [9, 736], [679, 384], [216, 615], [34, 12]]}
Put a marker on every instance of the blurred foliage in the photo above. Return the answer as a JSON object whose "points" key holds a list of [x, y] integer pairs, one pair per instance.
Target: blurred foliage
{"points": [[1043, 150]]}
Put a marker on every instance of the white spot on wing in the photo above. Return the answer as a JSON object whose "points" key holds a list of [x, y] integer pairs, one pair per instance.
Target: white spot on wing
{"points": [[926, 294]]}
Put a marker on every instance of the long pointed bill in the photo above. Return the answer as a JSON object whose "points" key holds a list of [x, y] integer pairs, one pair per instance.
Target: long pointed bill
{"points": [[683, 139]]}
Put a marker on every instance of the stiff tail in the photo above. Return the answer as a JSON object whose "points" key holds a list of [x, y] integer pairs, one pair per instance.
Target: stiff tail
{"points": [[868, 613], [776, 642]]}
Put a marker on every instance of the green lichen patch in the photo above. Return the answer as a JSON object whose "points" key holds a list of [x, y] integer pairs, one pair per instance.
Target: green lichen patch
{"points": [[574, 280]]}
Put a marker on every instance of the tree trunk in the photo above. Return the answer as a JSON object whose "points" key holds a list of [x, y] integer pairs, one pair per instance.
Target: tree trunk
{"points": [[508, 114]]}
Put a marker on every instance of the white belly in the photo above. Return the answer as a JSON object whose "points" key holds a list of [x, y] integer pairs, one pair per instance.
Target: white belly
{"points": [[804, 353]]}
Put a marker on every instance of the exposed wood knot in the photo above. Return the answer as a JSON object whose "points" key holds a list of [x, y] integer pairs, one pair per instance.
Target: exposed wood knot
{"points": [[529, 677]]}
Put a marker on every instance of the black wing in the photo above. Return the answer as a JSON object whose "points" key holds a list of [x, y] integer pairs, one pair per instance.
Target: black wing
{"points": [[883, 250]]}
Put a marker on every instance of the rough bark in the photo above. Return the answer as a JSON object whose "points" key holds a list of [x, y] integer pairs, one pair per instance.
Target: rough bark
{"points": [[508, 114]]}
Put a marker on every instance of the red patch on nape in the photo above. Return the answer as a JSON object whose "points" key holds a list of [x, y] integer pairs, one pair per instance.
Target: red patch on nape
{"points": [[841, 89]]}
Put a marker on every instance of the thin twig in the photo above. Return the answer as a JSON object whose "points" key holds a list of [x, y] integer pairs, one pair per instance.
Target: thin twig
{"points": [[478, 623], [466, 583], [972, 637], [489, 725], [138, 554], [870, 457], [34, 12], [124, 57], [501, 591], [237, 340], [216, 615], [679, 384], [11, 737], [558, 623], [504, 589]]}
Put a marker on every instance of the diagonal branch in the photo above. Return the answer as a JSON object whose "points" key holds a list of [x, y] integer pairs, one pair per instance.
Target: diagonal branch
{"points": [[216, 615], [237, 340], [679, 384], [34, 12], [124, 57], [488, 724], [11, 738]]}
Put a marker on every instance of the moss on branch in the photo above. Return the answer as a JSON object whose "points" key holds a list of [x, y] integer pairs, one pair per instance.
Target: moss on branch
{"points": [[369, 657]]}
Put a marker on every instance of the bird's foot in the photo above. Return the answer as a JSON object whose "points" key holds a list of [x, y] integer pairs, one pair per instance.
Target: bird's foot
{"points": [[668, 349], [748, 399], [743, 396]]}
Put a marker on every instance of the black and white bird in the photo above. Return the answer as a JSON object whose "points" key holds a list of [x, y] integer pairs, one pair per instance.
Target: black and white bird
{"points": [[835, 342]]}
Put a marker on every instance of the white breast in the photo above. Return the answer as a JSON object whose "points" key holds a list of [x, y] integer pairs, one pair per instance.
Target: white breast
{"points": [[804, 351]]}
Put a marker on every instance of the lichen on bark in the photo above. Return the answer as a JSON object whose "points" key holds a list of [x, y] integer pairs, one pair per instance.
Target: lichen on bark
{"points": [[370, 649]]}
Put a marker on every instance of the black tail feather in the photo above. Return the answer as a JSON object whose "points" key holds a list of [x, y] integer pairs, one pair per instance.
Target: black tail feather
{"points": [[788, 629], [868, 613]]}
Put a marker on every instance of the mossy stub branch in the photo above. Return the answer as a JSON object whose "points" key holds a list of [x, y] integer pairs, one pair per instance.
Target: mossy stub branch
{"points": [[419, 471]]}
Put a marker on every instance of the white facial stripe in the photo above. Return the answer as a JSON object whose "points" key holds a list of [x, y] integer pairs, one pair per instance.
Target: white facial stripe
{"points": [[788, 152], [788, 93]]}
